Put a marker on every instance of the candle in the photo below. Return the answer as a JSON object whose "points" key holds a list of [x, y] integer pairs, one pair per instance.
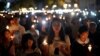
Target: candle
{"points": [[45, 42], [12, 37], [90, 48], [33, 26], [7, 27], [45, 48]]}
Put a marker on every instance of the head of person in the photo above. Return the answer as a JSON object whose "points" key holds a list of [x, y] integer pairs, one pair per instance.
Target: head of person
{"points": [[93, 27], [28, 41], [12, 21], [56, 27], [83, 33], [43, 28], [6, 34], [86, 22]]}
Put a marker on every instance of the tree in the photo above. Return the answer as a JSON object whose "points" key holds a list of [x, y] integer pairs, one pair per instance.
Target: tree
{"points": [[50, 2], [22, 3], [2, 5], [59, 3]]}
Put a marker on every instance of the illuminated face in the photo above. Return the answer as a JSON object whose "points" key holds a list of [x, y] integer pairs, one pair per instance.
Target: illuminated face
{"points": [[12, 22], [7, 35], [56, 27], [84, 36], [30, 43]]}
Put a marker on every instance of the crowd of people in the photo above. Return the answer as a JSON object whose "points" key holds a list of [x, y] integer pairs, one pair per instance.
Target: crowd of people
{"points": [[54, 39]]}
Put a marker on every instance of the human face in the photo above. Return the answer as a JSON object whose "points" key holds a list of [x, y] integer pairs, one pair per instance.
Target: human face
{"points": [[56, 27], [12, 21], [84, 36], [7, 35], [30, 43]]}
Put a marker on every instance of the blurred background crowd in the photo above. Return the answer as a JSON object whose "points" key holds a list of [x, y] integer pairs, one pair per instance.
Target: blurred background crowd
{"points": [[49, 28], [48, 35]]}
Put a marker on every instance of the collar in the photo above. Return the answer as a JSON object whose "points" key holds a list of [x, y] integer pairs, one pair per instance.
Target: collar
{"points": [[82, 43]]}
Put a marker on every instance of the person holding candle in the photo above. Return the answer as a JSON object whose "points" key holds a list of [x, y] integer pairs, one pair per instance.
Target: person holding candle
{"points": [[43, 45], [42, 41], [82, 46], [34, 32], [57, 40], [7, 46], [16, 29], [94, 35]]}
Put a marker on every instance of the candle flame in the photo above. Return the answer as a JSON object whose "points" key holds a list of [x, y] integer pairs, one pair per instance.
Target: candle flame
{"points": [[90, 47], [7, 27], [45, 42], [12, 37]]}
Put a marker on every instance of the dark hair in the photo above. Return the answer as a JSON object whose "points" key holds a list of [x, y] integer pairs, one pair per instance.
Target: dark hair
{"points": [[51, 32], [83, 29], [25, 39], [93, 24], [3, 33]]}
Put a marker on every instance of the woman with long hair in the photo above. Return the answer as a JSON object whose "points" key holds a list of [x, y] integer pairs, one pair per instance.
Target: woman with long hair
{"points": [[57, 40], [7, 46]]}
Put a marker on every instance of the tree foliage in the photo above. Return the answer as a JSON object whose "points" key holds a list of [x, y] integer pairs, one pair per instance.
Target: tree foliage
{"points": [[22, 3]]}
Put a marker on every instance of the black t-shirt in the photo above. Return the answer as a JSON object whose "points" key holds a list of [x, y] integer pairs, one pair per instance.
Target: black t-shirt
{"points": [[81, 50]]}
